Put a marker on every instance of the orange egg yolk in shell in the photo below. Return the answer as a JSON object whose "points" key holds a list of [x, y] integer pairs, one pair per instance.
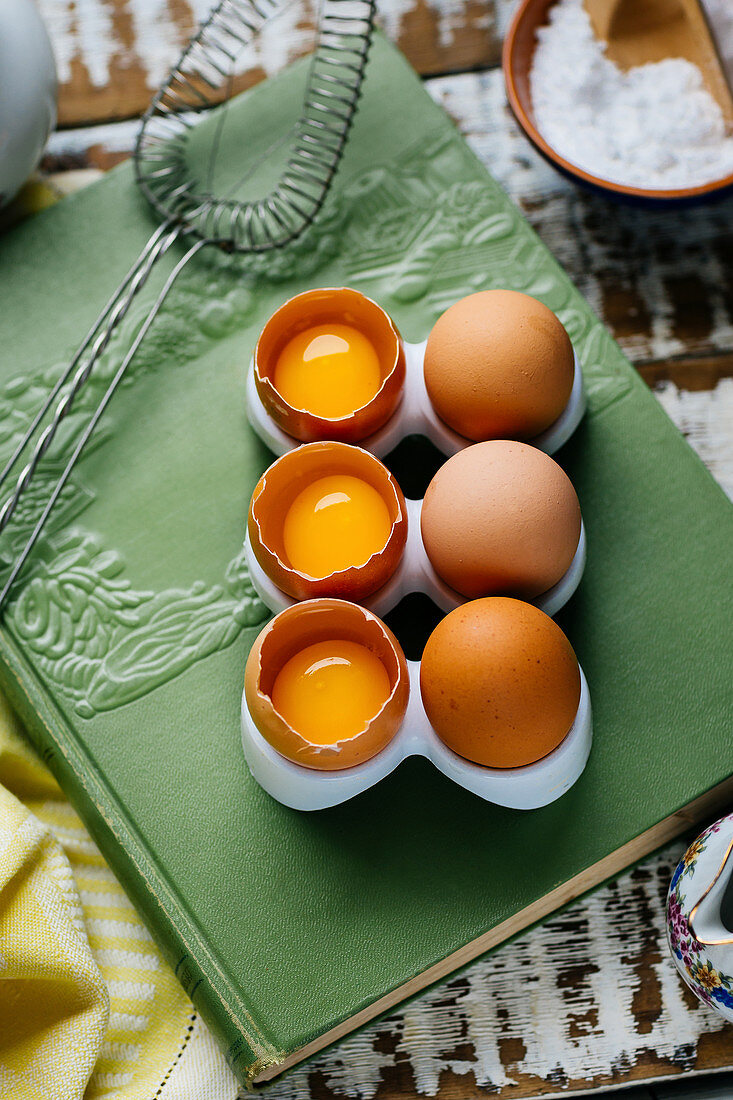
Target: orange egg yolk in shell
{"points": [[335, 523], [331, 690], [330, 370]]}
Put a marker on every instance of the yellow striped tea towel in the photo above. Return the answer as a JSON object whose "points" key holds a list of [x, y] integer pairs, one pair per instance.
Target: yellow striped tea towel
{"points": [[88, 1007]]}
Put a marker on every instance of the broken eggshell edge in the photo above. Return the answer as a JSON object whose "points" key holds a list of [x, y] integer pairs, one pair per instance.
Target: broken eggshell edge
{"points": [[305, 624], [525, 788]]}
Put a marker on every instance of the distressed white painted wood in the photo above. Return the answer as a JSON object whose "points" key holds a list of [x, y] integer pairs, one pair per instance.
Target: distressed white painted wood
{"points": [[112, 54], [90, 34], [112, 137], [706, 420]]}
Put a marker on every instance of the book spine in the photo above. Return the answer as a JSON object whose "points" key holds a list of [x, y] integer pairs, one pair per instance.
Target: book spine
{"points": [[246, 1051]]}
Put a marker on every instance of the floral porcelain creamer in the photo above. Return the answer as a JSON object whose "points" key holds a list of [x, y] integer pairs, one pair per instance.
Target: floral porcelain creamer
{"points": [[699, 909]]}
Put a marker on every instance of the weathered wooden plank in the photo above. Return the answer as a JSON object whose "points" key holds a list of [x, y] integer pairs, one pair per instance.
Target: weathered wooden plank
{"points": [[112, 54], [100, 146], [706, 421], [690, 372]]}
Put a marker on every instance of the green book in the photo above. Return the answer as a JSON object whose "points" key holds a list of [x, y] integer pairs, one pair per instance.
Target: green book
{"points": [[125, 644]]}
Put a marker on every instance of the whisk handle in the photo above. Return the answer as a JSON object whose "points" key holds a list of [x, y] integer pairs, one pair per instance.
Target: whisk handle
{"points": [[96, 342], [156, 247]]}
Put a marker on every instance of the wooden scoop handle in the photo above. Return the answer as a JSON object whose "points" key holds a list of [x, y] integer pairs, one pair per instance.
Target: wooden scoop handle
{"points": [[639, 31], [713, 71]]}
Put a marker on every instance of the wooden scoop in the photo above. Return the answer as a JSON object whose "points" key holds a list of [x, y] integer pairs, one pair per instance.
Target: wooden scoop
{"points": [[639, 31]]}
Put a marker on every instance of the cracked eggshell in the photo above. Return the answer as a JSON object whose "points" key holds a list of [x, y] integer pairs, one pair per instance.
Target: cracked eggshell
{"points": [[315, 307], [302, 625], [499, 365], [277, 489], [500, 518], [500, 682]]}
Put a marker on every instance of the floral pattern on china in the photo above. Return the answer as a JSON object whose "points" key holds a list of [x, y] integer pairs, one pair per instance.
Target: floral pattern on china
{"points": [[701, 943]]}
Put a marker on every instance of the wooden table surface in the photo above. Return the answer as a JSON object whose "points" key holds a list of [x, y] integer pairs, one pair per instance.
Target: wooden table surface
{"points": [[589, 999]]}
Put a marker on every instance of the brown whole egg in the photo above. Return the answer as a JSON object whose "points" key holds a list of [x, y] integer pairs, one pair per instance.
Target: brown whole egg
{"points": [[500, 518], [499, 365], [500, 682]]}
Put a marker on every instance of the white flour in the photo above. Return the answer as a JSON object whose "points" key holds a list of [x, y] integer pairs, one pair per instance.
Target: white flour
{"points": [[655, 126]]}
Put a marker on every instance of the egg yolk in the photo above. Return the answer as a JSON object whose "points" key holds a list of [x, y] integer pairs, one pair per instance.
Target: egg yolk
{"points": [[331, 691], [329, 370], [335, 523]]}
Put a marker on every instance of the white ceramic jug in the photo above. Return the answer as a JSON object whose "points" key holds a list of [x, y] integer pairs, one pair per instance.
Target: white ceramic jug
{"points": [[27, 93], [700, 916]]}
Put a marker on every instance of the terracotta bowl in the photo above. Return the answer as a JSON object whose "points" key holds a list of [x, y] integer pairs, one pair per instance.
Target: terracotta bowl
{"points": [[519, 47]]}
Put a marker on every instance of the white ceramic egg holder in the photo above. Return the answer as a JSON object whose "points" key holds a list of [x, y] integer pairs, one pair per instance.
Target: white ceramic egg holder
{"points": [[415, 573], [415, 415], [525, 788]]}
